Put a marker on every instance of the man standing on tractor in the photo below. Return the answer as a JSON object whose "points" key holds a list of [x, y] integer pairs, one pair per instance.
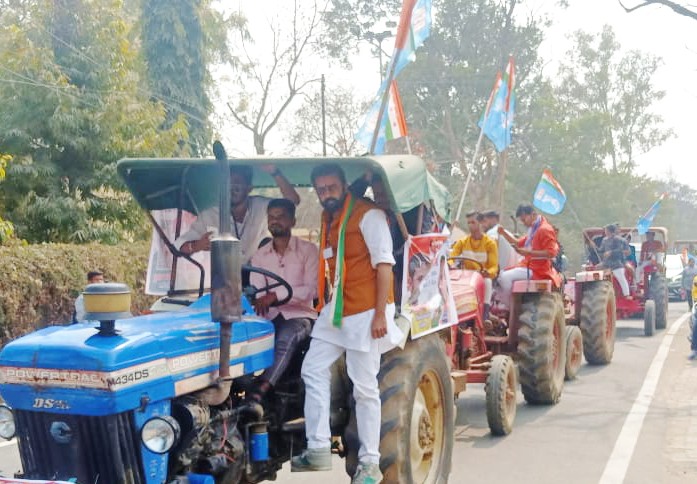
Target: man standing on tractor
{"points": [[482, 249], [356, 253], [538, 247], [614, 251]]}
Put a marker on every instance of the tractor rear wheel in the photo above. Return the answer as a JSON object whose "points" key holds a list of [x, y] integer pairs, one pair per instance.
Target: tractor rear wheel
{"points": [[501, 394], [418, 414], [649, 318], [658, 292], [574, 352], [542, 348], [598, 317]]}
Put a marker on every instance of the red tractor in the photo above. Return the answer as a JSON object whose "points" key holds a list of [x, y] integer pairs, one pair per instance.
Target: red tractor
{"points": [[645, 273]]}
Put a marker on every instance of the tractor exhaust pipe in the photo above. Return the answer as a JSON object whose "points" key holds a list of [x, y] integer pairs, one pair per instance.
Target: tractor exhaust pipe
{"points": [[226, 285]]}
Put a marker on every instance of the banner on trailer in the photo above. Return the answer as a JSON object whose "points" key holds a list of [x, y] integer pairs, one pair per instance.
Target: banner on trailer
{"points": [[427, 297]]}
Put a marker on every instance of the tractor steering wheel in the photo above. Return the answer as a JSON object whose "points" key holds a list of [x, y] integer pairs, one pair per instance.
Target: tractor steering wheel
{"points": [[252, 291], [460, 258]]}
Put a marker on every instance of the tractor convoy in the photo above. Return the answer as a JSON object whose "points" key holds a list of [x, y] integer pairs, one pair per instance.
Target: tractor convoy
{"points": [[160, 398]]}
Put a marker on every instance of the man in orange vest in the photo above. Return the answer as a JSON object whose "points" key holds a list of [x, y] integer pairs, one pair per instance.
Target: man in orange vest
{"points": [[358, 320]]}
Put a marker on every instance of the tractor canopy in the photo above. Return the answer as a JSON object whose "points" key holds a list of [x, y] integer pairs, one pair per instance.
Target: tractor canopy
{"points": [[191, 184]]}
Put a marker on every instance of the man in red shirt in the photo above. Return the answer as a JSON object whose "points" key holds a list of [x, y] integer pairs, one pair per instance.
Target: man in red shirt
{"points": [[538, 248]]}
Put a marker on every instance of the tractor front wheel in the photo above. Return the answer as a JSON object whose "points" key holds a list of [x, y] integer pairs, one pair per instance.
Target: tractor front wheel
{"points": [[501, 395], [658, 290], [649, 318], [574, 352]]}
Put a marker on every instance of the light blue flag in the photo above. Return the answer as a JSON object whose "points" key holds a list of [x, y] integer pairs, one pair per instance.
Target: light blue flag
{"points": [[646, 220], [549, 195], [497, 125]]}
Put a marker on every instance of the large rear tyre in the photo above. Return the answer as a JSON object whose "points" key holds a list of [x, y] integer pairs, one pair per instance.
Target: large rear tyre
{"points": [[418, 415], [542, 348], [649, 318], [574, 352], [501, 395], [598, 322], [659, 294]]}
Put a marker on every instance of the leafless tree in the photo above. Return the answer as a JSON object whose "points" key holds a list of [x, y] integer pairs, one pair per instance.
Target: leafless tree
{"points": [[264, 90]]}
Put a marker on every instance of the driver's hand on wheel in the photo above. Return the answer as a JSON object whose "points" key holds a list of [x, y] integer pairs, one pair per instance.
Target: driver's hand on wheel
{"points": [[263, 303], [204, 243]]}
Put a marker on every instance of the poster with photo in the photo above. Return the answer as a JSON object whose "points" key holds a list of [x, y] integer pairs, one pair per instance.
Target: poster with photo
{"points": [[427, 298], [160, 261]]}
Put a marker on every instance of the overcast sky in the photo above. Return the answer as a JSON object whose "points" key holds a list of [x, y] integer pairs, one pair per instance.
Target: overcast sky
{"points": [[656, 30]]}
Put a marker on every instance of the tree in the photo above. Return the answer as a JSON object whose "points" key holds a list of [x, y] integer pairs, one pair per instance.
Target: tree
{"points": [[446, 89], [683, 10], [73, 103], [263, 91], [343, 113], [6, 228], [614, 91], [181, 39]]}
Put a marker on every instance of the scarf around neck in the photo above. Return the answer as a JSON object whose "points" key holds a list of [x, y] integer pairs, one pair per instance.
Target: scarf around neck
{"points": [[337, 297]]}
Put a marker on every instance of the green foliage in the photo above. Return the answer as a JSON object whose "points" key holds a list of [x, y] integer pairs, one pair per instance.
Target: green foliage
{"points": [[39, 283], [6, 228], [181, 38], [74, 102]]}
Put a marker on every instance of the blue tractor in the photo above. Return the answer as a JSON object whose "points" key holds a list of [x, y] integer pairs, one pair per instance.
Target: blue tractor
{"points": [[159, 398]]}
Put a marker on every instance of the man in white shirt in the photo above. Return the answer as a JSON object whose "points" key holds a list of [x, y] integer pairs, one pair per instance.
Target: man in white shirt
{"points": [[248, 214], [507, 257]]}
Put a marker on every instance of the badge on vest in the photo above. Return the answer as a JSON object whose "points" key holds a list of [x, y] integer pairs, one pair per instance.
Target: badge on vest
{"points": [[328, 253]]}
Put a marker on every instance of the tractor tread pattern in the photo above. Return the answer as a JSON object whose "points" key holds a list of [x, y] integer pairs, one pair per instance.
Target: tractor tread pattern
{"points": [[598, 348]]}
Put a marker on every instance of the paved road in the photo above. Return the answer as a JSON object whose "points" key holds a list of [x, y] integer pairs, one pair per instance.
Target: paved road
{"points": [[633, 421]]}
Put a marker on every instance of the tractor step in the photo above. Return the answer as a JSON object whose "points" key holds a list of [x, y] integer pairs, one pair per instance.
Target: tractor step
{"points": [[292, 426], [459, 381]]}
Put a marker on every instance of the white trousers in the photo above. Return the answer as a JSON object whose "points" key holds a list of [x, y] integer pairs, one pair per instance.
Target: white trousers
{"points": [[363, 370], [488, 289], [506, 280], [621, 277]]}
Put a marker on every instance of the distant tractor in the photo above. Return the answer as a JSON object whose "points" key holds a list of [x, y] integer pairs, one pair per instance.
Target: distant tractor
{"points": [[645, 272]]}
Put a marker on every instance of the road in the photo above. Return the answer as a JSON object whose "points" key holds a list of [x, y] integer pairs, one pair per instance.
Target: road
{"points": [[633, 421]]}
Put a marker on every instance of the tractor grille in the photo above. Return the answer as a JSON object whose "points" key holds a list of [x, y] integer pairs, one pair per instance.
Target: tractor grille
{"points": [[93, 450]]}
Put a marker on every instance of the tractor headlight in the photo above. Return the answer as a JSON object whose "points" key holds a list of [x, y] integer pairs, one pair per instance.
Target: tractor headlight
{"points": [[7, 423], [160, 434]]}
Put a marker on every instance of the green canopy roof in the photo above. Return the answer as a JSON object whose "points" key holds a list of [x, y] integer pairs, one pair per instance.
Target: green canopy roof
{"points": [[162, 183]]}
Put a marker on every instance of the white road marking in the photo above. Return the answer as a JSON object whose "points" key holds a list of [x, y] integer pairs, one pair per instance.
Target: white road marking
{"points": [[618, 463]]}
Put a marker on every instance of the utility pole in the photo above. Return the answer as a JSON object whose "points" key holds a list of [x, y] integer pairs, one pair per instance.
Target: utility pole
{"points": [[324, 122]]}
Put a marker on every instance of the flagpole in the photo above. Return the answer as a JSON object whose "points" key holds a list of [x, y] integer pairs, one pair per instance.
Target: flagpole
{"points": [[404, 24], [469, 173]]}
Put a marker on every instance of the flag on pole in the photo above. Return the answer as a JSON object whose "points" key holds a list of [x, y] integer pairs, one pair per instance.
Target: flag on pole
{"points": [[414, 28], [549, 195], [646, 220], [394, 124], [497, 120]]}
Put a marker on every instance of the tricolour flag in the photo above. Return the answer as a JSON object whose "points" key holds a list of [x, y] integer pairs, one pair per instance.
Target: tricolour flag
{"points": [[646, 220], [497, 120], [414, 28], [549, 195]]}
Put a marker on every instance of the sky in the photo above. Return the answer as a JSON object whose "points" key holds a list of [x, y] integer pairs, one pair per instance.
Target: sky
{"points": [[655, 30]]}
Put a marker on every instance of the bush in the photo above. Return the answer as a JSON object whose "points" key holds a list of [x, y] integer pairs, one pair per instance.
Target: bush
{"points": [[39, 283]]}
